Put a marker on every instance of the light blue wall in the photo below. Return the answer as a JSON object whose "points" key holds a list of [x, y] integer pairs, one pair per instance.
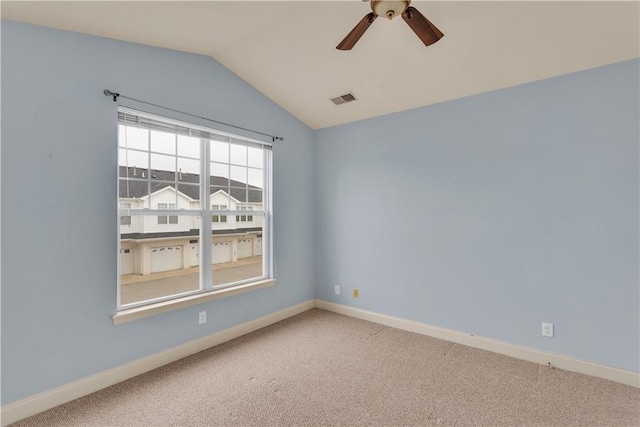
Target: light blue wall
{"points": [[493, 213], [488, 214], [59, 201]]}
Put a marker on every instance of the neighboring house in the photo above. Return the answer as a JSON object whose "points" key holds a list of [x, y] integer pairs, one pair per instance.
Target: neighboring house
{"points": [[156, 243]]}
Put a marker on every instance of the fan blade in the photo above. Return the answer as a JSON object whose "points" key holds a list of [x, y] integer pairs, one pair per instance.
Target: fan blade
{"points": [[425, 30], [357, 32]]}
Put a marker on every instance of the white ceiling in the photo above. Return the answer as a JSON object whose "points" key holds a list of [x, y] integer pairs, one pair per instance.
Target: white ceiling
{"points": [[286, 49]]}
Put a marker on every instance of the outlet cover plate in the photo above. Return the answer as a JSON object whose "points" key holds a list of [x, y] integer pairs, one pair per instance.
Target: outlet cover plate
{"points": [[547, 330]]}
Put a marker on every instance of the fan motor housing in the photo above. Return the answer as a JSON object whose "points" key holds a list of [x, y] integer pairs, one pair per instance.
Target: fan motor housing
{"points": [[389, 9]]}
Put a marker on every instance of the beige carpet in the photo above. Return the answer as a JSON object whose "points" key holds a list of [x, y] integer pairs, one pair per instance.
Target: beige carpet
{"points": [[321, 368]]}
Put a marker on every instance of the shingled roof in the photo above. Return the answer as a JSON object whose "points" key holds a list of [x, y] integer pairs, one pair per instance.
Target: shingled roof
{"points": [[194, 232], [188, 184]]}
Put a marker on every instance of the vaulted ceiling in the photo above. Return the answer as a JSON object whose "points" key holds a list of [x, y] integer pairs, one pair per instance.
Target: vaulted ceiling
{"points": [[286, 49]]}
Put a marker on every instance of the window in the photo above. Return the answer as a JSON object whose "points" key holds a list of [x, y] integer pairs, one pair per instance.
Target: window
{"points": [[125, 219], [244, 218], [169, 174], [219, 218], [167, 219]]}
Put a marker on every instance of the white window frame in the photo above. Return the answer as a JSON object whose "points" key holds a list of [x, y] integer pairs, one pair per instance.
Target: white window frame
{"points": [[207, 291]]}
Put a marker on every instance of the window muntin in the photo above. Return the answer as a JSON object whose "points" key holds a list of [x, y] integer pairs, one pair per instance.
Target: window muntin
{"points": [[161, 168]]}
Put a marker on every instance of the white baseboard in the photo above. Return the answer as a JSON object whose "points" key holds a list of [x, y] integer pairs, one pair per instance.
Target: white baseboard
{"points": [[507, 349], [42, 401]]}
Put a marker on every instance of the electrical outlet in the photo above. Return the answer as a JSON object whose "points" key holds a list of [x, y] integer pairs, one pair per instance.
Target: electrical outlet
{"points": [[547, 329], [202, 317], [356, 293], [337, 290]]}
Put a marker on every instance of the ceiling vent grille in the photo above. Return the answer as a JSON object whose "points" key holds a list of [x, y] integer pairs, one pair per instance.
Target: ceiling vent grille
{"points": [[343, 99]]}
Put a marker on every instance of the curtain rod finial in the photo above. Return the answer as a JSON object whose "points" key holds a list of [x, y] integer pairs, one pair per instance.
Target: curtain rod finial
{"points": [[107, 92]]}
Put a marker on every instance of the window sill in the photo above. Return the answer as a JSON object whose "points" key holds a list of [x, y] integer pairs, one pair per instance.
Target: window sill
{"points": [[178, 303]]}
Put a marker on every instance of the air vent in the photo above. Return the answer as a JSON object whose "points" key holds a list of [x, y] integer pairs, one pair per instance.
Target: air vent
{"points": [[343, 99]]}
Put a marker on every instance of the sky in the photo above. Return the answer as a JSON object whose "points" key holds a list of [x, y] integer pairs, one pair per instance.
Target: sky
{"points": [[152, 149]]}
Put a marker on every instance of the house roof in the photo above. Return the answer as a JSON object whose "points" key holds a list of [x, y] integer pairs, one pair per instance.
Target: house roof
{"points": [[286, 49], [136, 186], [194, 232]]}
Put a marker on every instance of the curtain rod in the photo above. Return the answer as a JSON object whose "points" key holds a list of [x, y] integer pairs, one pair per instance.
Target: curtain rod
{"points": [[115, 96]]}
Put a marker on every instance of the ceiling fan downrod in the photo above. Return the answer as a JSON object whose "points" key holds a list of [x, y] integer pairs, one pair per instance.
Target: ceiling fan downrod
{"points": [[388, 8]]}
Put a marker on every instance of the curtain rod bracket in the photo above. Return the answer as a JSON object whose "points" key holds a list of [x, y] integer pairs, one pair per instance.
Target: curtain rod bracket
{"points": [[277, 138], [107, 92]]}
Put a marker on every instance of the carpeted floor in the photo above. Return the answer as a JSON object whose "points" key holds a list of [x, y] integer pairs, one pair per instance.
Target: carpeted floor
{"points": [[321, 368]]}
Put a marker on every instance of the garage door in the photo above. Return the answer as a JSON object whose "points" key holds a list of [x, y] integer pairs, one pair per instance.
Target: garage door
{"points": [[259, 246], [126, 261], [245, 248], [166, 258], [221, 252]]}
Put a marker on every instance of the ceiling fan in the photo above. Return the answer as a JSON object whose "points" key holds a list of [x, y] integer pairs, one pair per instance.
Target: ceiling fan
{"points": [[425, 30]]}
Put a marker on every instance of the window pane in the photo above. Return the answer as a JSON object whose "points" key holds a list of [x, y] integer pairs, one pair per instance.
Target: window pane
{"points": [[219, 170], [236, 256], [133, 159], [172, 260], [162, 142], [163, 193], [256, 157], [188, 196], [131, 137], [255, 198], [163, 167], [239, 154], [220, 197], [190, 170], [255, 177], [133, 189], [188, 147], [238, 174], [219, 151]]}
